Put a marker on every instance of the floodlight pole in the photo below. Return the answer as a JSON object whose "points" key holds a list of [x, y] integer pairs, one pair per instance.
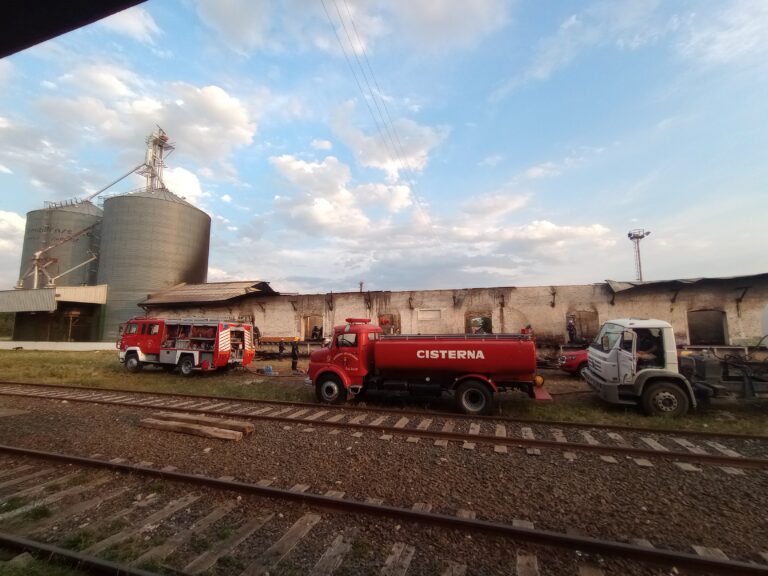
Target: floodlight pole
{"points": [[637, 235]]}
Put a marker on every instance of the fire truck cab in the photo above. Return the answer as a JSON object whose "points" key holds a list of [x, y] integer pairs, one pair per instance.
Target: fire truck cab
{"points": [[189, 344]]}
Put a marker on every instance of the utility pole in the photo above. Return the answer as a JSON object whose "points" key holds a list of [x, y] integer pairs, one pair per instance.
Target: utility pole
{"points": [[637, 235]]}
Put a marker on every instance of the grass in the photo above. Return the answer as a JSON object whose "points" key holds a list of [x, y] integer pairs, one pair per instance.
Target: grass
{"points": [[37, 513], [12, 503], [103, 370], [37, 567]]}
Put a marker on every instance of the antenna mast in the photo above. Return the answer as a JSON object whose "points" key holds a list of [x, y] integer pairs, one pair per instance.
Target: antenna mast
{"points": [[637, 235]]}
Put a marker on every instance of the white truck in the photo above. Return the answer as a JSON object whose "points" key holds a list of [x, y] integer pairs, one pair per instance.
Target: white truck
{"points": [[636, 361]]}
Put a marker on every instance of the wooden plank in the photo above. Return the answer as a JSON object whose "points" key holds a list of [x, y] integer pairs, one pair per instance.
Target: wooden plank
{"points": [[299, 487], [333, 556], [208, 558], [378, 421], [422, 507], [609, 459], [336, 417], [724, 449], [501, 431], [424, 424], [619, 439], [474, 428], [399, 560], [316, 415], [162, 551], [518, 523], [559, 435], [72, 511], [56, 496], [447, 427], [590, 571], [527, 433], [17, 470], [402, 422], [194, 429], [710, 552], [27, 478], [168, 510], [358, 419], [687, 467], [463, 513], [454, 569], [689, 446], [239, 425], [280, 549], [653, 443], [298, 413], [334, 494], [527, 564]]}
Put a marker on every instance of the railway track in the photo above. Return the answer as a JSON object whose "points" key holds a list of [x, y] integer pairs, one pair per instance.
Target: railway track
{"points": [[119, 517], [733, 455]]}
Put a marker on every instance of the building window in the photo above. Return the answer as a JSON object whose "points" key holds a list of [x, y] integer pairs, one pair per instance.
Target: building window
{"points": [[707, 327], [390, 323], [478, 323]]}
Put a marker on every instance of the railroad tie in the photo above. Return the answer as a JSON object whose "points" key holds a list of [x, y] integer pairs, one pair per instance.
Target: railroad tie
{"points": [[167, 511], [399, 560], [654, 444], [501, 432], [402, 422], [422, 507], [359, 419], [686, 467], [57, 496], [619, 439], [336, 417], [298, 413], [527, 433], [272, 556], [162, 551], [378, 421], [559, 435], [707, 552], [316, 415], [454, 569], [424, 424], [447, 428], [334, 555], [689, 446], [724, 449], [590, 571], [527, 564], [207, 559]]}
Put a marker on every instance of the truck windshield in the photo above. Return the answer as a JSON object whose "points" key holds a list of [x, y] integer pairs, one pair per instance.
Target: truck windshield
{"points": [[607, 337]]}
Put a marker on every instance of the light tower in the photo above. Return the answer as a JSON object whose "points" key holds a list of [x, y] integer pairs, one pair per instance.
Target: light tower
{"points": [[637, 235]]}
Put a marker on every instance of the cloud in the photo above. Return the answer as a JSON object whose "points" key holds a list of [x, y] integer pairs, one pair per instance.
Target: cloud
{"points": [[184, 183], [491, 161], [544, 170], [241, 24], [6, 71], [104, 81], [737, 33], [447, 24], [408, 149], [226, 198], [5, 170], [134, 23], [321, 144], [11, 239], [494, 205], [393, 197]]}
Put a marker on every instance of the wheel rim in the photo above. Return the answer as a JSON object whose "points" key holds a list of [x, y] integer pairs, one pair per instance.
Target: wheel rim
{"points": [[665, 401], [132, 363], [473, 400], [329, 391]]}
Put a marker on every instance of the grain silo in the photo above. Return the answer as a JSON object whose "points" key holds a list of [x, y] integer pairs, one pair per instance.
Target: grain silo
{"points": [[61, 242], [150, 240]]}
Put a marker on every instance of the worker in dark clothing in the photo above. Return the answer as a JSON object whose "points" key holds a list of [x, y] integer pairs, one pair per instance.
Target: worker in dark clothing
{"points": [[571, 331], [280, 349], [294, 356]]}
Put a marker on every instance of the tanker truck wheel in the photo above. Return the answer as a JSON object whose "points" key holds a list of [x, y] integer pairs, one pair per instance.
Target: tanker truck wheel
{"points": [[474, 398], [330, 390]]}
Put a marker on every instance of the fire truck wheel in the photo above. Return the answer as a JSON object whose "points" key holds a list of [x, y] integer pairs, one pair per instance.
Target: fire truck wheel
{"points": [[474, 397], [665, 399], [330, 390], [132, 363], [187, 366]]}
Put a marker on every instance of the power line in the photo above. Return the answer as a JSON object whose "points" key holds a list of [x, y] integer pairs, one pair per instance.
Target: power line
{"points": [[357, 81]]}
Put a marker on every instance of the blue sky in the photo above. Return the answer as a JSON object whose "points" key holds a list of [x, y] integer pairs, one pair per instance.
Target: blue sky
{"points": [[487, 143]]}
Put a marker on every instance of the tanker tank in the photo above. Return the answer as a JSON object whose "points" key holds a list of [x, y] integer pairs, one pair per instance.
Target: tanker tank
{"points": [[150, 240], [55, 224]]}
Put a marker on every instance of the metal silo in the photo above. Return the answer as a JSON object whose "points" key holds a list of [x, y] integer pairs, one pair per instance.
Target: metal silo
{"points": [[150, 240], [66, 235]]}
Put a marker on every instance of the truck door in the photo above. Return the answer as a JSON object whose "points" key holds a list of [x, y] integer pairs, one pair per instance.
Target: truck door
{"points": [[346, 355], [626, 357], [152, 338]]}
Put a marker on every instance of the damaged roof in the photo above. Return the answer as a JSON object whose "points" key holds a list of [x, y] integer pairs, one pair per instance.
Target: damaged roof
{"points": [[617, 286], [209, 292]]}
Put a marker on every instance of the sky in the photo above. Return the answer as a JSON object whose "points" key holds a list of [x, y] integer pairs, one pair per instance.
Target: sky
{"points": [[413, 145]]}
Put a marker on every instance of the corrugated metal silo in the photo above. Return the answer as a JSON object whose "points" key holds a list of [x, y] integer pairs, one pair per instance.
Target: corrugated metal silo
{"points": [[53, 224], [150, 240]]}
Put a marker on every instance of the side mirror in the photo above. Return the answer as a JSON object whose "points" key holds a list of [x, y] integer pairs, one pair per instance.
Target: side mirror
{"points": [[604, 343]]}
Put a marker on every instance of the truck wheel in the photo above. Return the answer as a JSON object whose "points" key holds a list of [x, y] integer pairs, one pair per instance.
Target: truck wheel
{"points": [[187, 366], [474, 398], [665, 399], [330, 390], [132, 363]]}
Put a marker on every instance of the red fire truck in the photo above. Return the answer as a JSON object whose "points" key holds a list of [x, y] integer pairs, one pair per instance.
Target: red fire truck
{"points": [[189, 343], [471, 366]]}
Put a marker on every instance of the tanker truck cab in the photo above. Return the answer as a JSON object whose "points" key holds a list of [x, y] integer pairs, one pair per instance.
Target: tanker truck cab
{"points": [[634, 361], [340, 369], [471, 367]]}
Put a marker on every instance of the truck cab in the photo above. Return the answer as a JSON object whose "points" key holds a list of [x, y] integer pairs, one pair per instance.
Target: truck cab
{"points": [[345, 362], [634, 361]]}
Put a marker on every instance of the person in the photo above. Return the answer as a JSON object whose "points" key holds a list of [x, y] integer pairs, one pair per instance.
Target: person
{"points": [[571, 327], [280, 349], [647, 349], [294, 356]]}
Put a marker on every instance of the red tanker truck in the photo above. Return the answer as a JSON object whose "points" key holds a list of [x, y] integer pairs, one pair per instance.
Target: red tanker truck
{"points": [[471, 366]]}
